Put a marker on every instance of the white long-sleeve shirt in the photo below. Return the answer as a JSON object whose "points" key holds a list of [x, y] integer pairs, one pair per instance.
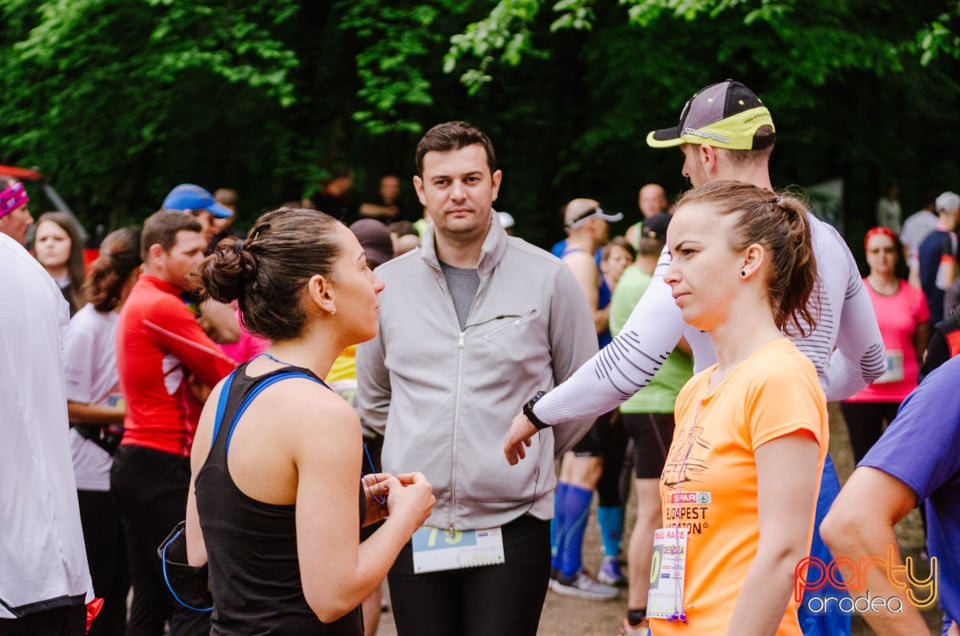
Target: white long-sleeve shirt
{"points": [[845, 347], [43, 562]]}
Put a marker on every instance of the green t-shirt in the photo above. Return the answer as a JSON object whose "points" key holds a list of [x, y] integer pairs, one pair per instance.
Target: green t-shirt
{"points": [[636, 241], [660, 395]]}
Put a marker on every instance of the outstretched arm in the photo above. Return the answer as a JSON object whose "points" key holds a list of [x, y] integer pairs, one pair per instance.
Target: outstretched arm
{"points": [[859, 355], [614, 374], [625, 365], [860, 523], [859, 526]]}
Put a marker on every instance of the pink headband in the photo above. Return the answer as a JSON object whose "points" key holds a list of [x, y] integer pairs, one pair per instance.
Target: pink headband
{"points": [[12, 197], [880, 230]]}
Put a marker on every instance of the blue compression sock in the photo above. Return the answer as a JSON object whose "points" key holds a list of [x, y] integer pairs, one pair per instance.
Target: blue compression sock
{"points": [[610, 519], [576, 510], [557, 521]]}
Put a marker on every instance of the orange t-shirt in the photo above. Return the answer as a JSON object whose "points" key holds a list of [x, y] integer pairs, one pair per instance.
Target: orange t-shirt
{"points": [[771, 394]]}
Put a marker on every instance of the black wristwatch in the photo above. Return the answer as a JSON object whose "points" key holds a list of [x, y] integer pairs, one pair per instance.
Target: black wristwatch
{"points": [[528, 411]]}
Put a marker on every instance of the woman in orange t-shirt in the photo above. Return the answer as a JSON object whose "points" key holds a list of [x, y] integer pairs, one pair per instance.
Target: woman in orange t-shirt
{"points": [[742, 473]]}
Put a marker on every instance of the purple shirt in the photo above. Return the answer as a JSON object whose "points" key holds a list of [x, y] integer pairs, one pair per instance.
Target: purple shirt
{"points": [[921, 448]]}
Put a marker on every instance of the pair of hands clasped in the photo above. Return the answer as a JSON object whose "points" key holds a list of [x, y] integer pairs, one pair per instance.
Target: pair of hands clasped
{"points": [[407, 495]]}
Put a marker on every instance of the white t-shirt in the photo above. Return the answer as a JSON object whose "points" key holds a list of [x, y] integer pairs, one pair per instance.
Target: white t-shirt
{"points": [[915, 229], [626, 365], [43, 562], [90, 370], [888, 214]]}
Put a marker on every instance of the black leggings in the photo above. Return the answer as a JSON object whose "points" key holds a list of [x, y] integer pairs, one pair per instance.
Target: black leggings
{"points": [[150, 488], [609, 488], [107, 556], [505, 599], [608, 440], [61, 621], [865, 423], [652, 434]]}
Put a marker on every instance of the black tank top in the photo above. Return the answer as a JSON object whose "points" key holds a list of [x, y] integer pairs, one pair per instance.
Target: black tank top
{"points": [[252, 545]]}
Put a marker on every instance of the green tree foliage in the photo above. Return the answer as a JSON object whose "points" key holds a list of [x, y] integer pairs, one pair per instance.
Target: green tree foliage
{"points": [[939, 36], [99, 93], [815, 40], [118, 100], [850, 83], [390, 65]]}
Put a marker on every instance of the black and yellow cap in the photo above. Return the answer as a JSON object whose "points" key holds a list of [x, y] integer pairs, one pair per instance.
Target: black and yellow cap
{"points": [[724, 115]]}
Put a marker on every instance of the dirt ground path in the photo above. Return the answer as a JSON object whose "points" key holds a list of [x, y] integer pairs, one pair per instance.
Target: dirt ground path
{"points": [[564, 616]]}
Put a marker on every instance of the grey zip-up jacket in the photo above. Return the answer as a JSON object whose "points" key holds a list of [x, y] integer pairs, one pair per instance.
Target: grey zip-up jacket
{"points": [[444, 398]]}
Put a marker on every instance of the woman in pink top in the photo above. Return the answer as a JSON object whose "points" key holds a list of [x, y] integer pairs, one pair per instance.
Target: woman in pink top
{"points": [[902, 314]]}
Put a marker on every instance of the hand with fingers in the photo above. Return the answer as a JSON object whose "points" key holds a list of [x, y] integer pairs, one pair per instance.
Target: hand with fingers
{"points": [[411, 498], [518, 439]]}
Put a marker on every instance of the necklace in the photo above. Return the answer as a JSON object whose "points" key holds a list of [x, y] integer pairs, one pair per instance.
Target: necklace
{"points": [[278, 361]]}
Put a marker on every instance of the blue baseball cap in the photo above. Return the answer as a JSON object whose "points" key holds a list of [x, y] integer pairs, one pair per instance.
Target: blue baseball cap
{"points": [[188, 196]]}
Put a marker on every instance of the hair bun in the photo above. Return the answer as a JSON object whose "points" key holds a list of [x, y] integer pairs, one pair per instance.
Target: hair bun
{"points": [[228, 270]]}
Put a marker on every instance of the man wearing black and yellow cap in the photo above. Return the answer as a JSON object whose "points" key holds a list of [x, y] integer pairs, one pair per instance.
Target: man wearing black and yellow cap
{"points": [[724, 132]]}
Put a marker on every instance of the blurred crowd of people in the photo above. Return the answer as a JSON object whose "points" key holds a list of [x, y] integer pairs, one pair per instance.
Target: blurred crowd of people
{"points": [[473, 392]]}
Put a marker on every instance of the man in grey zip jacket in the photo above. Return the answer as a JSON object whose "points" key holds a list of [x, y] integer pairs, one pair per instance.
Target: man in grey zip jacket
{"points": [[471, 325]]}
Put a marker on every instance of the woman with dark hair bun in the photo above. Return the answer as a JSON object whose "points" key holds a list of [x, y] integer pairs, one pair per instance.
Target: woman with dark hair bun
{"points": [[279, 523], [58, 245], [96, 411], [739, 486]]}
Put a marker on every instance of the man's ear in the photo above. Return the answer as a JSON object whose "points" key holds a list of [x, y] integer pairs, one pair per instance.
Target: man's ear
{"points": [[418, 188], [495, 179], [156, 253], [708, 158]]}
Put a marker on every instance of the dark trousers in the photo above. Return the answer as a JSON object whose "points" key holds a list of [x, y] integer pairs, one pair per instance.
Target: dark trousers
{"points": [[107, 555], [62, 621], [866, 422], [505, 599], [150, 488], [609, 488]]}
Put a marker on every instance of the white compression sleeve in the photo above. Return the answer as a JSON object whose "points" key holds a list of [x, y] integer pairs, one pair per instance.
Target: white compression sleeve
{"points": [[845, 318], [626, 365]]}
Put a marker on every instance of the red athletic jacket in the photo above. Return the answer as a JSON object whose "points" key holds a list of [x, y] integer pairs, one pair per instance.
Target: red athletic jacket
{"points": [[159, 345]]}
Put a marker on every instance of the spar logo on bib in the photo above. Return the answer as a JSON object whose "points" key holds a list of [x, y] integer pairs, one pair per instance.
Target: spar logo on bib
{"points": [[835, 578], [689, 510], [702, 498]]}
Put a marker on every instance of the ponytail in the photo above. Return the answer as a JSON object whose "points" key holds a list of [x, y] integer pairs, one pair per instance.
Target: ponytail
{"points": [[780, 224]]}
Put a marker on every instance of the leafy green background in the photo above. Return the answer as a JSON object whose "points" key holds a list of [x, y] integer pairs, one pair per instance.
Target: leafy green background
{"points": [[119, 100]]}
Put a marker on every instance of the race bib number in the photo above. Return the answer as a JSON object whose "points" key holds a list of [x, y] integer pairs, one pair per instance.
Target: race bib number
{"points": [[667, 573], [435, 549]]}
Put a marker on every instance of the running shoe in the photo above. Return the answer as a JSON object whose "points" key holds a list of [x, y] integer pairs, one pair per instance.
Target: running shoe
{"points": [[610, 572], [582, 585], [643, 629]]}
